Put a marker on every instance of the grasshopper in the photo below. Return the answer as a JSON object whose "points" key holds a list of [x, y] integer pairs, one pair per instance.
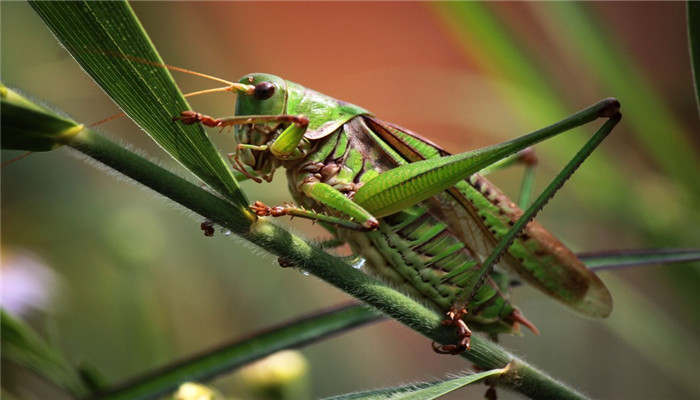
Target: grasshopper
{"points": [[423, 220]]}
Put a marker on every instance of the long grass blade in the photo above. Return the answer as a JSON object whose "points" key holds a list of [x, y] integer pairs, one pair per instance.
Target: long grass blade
{"points": [[21, 345], [107, 39], [239, 353], [616, 259], [420, 391]]}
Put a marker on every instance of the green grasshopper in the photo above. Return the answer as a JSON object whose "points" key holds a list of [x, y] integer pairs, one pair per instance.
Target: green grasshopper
{"points": [[423, 220]]}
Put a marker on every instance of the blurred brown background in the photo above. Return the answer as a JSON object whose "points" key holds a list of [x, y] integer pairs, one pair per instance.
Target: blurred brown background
{"points": [[137, 285]]}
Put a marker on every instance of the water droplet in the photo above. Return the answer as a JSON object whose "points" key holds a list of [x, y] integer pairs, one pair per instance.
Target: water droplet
{"points": [[359, 264], [305, 272], [225, 232]]}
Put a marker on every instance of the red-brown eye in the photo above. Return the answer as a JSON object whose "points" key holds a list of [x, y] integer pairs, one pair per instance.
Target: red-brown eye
{"points": [[264, 90]]}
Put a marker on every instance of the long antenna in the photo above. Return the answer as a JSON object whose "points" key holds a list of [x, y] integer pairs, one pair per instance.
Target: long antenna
{"points": [[233, 85], [230, 87]]}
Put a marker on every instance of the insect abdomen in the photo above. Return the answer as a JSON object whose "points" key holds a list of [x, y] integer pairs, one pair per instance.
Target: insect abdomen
{"points": [[413, 251]]}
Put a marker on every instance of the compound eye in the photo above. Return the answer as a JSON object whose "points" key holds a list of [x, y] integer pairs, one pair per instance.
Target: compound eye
{"points": [[264, 90]]}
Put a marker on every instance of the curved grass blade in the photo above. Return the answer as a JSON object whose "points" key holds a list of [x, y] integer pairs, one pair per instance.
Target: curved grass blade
{"points": [[21, 345], [29, 127], [26, 126], [616, 259], [487, 42], [421, 391], [105, 37]]}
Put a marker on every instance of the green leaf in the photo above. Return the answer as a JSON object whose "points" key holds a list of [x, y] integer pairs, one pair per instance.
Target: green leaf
{"points": [[635, 258], [107, 40], [235, 355], [420, 391], [29, 127], [21, 345]]}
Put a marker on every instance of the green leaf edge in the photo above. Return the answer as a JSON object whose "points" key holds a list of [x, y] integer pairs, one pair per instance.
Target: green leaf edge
{"points": [[420, 391], [22, 346], [106, 39]]}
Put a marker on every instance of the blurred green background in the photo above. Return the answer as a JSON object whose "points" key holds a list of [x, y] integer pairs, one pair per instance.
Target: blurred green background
{"points": [[135, 284]]}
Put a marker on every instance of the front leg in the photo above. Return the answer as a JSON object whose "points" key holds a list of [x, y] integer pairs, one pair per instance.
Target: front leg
{"points": [[192, 117], [336, 197], [263, 210]]}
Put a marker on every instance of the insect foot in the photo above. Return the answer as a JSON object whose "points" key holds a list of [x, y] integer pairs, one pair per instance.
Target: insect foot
{"points": [[454, 318], [284, 263], [208, 228], [263, 210]]}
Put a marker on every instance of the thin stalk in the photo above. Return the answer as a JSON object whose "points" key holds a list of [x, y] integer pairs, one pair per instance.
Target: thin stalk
{"points": [[290, 247], [216, 209]]}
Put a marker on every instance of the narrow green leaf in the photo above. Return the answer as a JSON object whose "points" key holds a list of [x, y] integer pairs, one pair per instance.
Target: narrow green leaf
{"points": [[420, 391], [636, 258], [30, 127], [26, 126], [21, 345], [615, 259], [106, 39], [235, 355]]}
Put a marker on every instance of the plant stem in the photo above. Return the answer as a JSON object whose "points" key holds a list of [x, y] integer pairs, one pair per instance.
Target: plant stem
{"points": [[186, 193], [522, 378]]}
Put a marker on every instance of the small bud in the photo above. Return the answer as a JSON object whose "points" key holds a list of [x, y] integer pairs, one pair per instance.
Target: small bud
{"points": [[196, 391], [281, 376]]}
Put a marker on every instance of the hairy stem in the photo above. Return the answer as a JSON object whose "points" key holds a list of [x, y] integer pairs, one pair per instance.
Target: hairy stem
{"points": [[523, 378]]}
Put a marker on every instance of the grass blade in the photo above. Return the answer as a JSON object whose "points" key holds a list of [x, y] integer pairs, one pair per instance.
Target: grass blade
{"points": [[420, 391], [635, 258], [227, 358], [29, 127], [102, 36], [21, 345]]}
